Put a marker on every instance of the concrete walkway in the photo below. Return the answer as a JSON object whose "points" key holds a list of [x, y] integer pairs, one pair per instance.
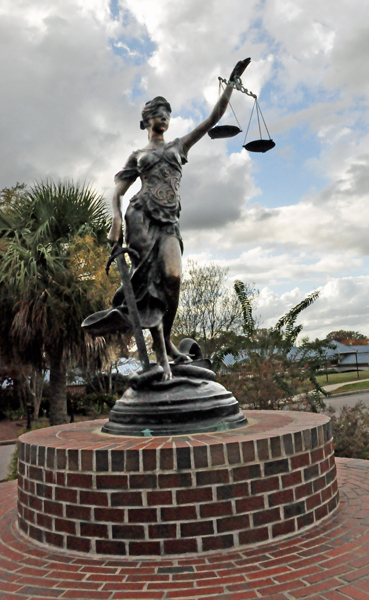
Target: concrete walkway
{"points": [[335, 386], [5, 456]]}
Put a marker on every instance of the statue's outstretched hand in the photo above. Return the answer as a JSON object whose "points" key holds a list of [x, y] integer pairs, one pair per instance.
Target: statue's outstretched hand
{"points": [[239, 68]]}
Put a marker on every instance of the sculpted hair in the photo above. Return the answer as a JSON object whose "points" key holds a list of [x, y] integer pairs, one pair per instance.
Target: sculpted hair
{"points": [[149, 109]]}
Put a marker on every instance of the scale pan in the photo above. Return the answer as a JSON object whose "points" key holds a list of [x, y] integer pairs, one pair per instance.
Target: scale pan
{"points": [[223, 131], [260, 146]]}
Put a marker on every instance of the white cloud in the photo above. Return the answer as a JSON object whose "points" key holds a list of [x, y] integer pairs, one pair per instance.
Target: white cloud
{"points": [[74, 78]]}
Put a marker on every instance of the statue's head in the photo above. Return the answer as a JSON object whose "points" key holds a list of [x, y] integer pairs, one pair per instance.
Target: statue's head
{"points": [[150, 108]]}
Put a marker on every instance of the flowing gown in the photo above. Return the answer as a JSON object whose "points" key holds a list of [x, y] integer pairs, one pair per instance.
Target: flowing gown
{"points": [[151, 217]]}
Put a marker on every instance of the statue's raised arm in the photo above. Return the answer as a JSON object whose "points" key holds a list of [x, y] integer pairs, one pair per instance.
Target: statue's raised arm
{"points": [[218, 111]]}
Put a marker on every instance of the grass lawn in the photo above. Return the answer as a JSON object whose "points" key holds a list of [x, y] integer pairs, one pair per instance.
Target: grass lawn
{"points": [[351, 387], [342, 377]]}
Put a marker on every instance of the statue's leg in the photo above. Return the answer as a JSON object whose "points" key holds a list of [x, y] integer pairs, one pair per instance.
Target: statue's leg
{"points": [[171, 264], [160, 350]]}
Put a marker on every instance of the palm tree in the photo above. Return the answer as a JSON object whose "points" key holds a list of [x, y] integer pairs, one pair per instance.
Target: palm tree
{"points": [[38, 271]]}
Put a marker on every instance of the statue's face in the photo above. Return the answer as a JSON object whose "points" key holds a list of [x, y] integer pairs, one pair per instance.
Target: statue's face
{"points": [[160, 120]]}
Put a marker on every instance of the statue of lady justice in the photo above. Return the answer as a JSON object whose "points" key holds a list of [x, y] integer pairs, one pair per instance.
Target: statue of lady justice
{"points": [[152, 228]]}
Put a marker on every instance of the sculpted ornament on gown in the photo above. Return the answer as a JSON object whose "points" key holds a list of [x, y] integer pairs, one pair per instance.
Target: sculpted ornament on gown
{"points": [[152, 229]]}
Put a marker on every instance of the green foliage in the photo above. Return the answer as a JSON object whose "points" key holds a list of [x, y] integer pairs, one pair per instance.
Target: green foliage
{"points": [[209, 312], [350, 338], [43, 287], [351, 431], [269, 374], [13, 465], [94, 404]]}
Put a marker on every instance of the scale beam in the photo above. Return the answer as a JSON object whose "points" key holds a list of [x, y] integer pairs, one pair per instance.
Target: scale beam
{"points": [[237, 85]]}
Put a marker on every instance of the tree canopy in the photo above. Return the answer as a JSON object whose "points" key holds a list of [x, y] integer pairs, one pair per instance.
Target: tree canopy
{"points": [[350, 338], [209, 311], [53, 240]]}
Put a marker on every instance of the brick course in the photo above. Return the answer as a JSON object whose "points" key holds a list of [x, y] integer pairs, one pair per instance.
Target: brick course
{"points": [[193, 493]]}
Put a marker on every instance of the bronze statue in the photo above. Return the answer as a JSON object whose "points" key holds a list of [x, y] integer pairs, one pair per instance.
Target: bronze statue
{"points": [[152, 228]]}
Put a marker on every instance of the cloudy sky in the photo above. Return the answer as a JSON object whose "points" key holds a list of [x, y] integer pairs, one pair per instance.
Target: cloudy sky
{"points": [[75, 74]]}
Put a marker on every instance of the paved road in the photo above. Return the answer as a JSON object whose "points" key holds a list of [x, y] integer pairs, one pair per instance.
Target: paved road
{"points": [[349, 400], [5, 456]]}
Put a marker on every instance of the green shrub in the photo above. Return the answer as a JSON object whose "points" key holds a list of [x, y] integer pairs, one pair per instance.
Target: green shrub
{"points": [[351, 431], [13, 465]]}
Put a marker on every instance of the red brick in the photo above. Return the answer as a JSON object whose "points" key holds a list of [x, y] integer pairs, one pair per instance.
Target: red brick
{"points": [[197, 528], [235, 490], [78, 512], [291, 479], [128, 532], [114, 515], [283, 528], [143, 482], [250, 504], [142, 515], [313, 501], [246, 472], [144, 548], [163, 530], [281, 497], [217, 454], [301, 460], [212, 477], [215, 509], [305, 520], [44, 521], [301, 491], [253, 536], [55, 539], [180, 547], [86, 460], [110, 547], [79, 480], [149, 459], [94, 530], [36, 534], [166, 459], [233, 523], [218, 542], [78, 544], [266, 516], [324, 466], [194, 495], [158, 498], [35, 503], [36, 473], [65, 525], [110, 482], [321, 512], [317, 455], [53, 508], [175, 480], [264, 485], [178, 513], [319, 483], [126, 499], [327, 493], [29, 515], [201, 457], [66, 495], [95, 498], [132, 460], [233, 453]]}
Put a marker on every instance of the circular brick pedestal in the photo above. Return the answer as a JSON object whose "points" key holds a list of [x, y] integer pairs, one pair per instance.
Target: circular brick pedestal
{"points": [[86, 491]]}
